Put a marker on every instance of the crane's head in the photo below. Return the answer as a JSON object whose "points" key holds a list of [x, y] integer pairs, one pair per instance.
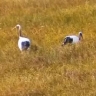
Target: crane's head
{"points": [[80, 35], [18, 26]]}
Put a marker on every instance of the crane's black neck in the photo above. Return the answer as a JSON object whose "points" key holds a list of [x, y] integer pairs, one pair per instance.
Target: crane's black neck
{"points": [[80, 36], [20, 33]]}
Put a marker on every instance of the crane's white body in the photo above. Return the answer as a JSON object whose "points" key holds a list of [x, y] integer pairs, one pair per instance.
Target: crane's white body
{"points": [[22, 39], [75, 38]]}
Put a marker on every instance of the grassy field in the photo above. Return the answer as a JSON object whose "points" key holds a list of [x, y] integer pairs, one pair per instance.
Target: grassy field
{"points": [[48, 69]]}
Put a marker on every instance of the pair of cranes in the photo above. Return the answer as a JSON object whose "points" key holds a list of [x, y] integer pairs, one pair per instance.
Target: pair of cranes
{"points": [[24, 43]]}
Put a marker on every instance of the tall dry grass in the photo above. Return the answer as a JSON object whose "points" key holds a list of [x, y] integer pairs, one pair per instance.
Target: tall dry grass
{"points": [[48, 69]]}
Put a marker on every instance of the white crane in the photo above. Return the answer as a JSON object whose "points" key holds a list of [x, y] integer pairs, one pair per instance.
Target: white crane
{"points": [[23, 42], [73, 39]]}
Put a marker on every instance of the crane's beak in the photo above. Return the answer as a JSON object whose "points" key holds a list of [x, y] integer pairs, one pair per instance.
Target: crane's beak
{"points": [[13, 28]]}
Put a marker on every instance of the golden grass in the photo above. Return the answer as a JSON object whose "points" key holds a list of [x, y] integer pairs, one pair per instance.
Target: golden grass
{"points": [[48, 69]]}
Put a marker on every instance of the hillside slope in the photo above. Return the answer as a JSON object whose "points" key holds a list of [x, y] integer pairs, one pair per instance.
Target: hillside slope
{"points": [[48, 69]]}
